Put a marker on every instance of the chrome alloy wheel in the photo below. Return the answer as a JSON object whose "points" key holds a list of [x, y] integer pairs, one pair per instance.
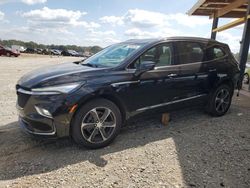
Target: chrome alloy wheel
{"points": [[222, 100], [98, 125]]}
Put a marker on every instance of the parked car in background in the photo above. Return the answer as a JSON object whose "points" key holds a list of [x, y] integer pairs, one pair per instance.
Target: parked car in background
{"points": [[90, 100], [65, 53], [30, 50], [55, 52], [247, 74], [18, 48], [46, 52], [8, 52], [70, 53], [87, 54], [74, 53], [39, 50]]}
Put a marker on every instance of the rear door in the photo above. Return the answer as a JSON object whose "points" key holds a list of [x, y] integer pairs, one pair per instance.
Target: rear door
{"points": [[217, 63], [193, 73]]}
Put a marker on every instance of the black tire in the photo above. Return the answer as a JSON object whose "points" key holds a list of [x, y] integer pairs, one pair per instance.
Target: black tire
{"points": [[91, 134], [217, 106], [8, 54], [246, 78]]}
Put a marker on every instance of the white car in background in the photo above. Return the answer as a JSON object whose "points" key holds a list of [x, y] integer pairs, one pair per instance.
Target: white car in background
{"points": [[247, 74]]}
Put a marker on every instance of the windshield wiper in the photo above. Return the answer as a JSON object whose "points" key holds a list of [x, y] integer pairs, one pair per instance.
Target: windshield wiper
{"points": [[78, 62], [89, 65]]}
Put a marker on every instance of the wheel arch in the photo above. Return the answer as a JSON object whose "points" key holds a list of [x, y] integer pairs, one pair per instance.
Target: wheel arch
{"points": [[109, 97], [227, 81]]}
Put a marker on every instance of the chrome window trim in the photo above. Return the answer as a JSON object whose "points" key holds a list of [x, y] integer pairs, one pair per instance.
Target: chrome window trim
{"points": [[185, 64], [168, 103], [177, 65]]}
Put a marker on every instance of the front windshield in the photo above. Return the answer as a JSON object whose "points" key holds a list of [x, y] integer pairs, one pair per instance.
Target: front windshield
{"points": [[112, 56]]}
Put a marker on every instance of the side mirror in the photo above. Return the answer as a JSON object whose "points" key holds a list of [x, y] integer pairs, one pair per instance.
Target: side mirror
{"points": [[144, 67]]}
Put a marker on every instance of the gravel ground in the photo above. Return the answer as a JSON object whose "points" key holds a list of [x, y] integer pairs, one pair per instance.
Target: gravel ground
{"points": [[194, 150]]}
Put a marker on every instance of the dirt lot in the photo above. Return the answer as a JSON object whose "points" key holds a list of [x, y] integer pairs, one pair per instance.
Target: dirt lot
{"points": [[194, 150]]}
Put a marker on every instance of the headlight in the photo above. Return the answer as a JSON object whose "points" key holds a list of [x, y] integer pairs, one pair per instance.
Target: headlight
{"points": [[56, 89]]}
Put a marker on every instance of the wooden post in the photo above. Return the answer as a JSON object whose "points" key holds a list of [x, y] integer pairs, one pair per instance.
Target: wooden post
{"points": [[165, 118], [215, 25], [244, 45]]}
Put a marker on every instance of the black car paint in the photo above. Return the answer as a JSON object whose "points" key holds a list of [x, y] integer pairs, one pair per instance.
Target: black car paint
{"points": [[132, 93]]}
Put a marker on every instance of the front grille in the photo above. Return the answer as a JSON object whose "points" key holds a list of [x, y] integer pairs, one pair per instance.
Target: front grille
{"points": [[37, 127], [42, 127], [22, 98]]}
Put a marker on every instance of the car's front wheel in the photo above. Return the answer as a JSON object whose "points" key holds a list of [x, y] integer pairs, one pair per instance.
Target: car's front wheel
{"points": [[96, 124], [220, 100]]}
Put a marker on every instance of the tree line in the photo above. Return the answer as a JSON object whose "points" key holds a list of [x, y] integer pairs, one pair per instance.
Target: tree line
{"points": [[237, 56], [31, 44]]}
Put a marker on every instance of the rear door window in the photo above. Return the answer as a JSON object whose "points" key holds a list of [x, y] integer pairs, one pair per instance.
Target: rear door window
{"points": [[190, 52]]}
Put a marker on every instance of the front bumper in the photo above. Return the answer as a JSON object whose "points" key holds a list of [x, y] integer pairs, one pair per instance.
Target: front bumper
{"points": [[37, 124], [29, 128]]}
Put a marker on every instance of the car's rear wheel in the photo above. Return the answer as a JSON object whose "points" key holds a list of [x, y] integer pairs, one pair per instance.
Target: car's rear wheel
{"points": [[96, 124], [246, 78], [8, 54], [220, 100]]}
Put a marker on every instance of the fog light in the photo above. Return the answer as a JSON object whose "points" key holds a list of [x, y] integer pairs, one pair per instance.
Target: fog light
{"points": [[43, 112]]}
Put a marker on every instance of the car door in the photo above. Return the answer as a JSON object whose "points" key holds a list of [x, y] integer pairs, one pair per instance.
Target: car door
{"points": [[157, 87], [217, 64], [193, 73]]}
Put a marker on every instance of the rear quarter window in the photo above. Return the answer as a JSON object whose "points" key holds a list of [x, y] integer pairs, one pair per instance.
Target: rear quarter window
{"points": [[214, 52]]}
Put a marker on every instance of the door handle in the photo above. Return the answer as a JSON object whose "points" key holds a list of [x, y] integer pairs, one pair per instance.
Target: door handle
{"points": [[212, 70], [172, 75]]}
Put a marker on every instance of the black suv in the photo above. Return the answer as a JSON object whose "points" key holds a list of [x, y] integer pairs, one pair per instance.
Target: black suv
{"points": [[90, 100]]}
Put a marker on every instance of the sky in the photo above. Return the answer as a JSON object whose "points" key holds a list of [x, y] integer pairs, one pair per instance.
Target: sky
{"points": [[105, 22]]}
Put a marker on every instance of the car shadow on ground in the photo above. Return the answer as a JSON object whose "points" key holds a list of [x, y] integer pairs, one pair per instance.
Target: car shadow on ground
{"points": [[210, 151]]}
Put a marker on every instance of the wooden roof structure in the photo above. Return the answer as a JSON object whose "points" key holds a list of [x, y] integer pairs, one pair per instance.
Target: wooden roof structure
{"points": [[222, 8]]}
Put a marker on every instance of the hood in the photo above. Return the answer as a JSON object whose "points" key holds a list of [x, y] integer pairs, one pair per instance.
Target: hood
{"points": [[52, 75]]}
